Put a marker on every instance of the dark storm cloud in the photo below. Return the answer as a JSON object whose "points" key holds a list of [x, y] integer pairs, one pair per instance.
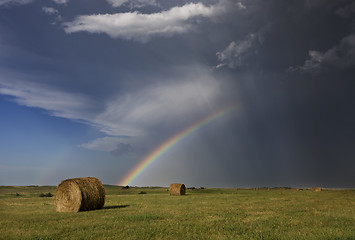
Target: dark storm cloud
{"points": [[347, 10], [150, 79]]}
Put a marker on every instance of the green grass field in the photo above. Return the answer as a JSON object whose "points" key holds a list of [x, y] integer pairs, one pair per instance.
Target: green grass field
{"points": [[201, 214]]}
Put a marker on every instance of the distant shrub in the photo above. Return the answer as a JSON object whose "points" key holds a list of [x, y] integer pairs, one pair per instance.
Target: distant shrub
{"points": [[142, 192], [17, 194], [46, 195], [125, 187]]}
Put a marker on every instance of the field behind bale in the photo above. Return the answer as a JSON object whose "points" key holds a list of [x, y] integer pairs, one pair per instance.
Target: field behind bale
{"points": [[151, 213]]}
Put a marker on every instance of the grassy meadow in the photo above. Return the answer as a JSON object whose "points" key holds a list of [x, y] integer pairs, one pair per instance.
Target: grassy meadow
{"points": [[150, 213]]}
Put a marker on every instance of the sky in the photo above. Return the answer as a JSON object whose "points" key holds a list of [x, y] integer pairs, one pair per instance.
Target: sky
{"points": [[92, 88]]}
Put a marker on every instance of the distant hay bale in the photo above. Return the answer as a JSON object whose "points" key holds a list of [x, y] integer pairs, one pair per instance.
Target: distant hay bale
{"points": [[177, 189], [79, 194], [317, 189]]}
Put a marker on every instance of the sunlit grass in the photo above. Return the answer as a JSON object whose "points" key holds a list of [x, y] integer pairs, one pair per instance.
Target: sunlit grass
{"points": [[201, 214]]}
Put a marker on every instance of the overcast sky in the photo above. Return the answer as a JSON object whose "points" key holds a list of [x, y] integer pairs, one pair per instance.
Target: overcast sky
{"points": [[89, 88]]}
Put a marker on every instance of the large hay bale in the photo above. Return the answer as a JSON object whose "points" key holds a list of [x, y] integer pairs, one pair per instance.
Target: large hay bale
{"points": [[177, 189], [79, 194], [317, 189]]}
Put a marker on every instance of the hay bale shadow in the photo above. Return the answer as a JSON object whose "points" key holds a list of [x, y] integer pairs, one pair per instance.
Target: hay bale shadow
{"points": [[114, 207]]}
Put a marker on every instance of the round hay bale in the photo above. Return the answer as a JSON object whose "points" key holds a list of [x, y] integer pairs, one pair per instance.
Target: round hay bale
{"points": [[317, 189], [177, 189], [79, 194]]}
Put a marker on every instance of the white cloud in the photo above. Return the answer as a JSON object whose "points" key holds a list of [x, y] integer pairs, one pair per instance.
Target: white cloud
{"points": [[339, 56], [60, 1], [105, 144], [23, 2], [142, 27], [236, 52], [58, 103], [117, 146], [133, 112], [141, 109], [50, 10], [14, 2], [122, 149], [311, 65], [133, 3], [240, 5]]}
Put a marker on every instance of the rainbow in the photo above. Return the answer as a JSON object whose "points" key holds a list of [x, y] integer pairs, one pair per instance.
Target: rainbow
{"points": [[168, 144]]}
